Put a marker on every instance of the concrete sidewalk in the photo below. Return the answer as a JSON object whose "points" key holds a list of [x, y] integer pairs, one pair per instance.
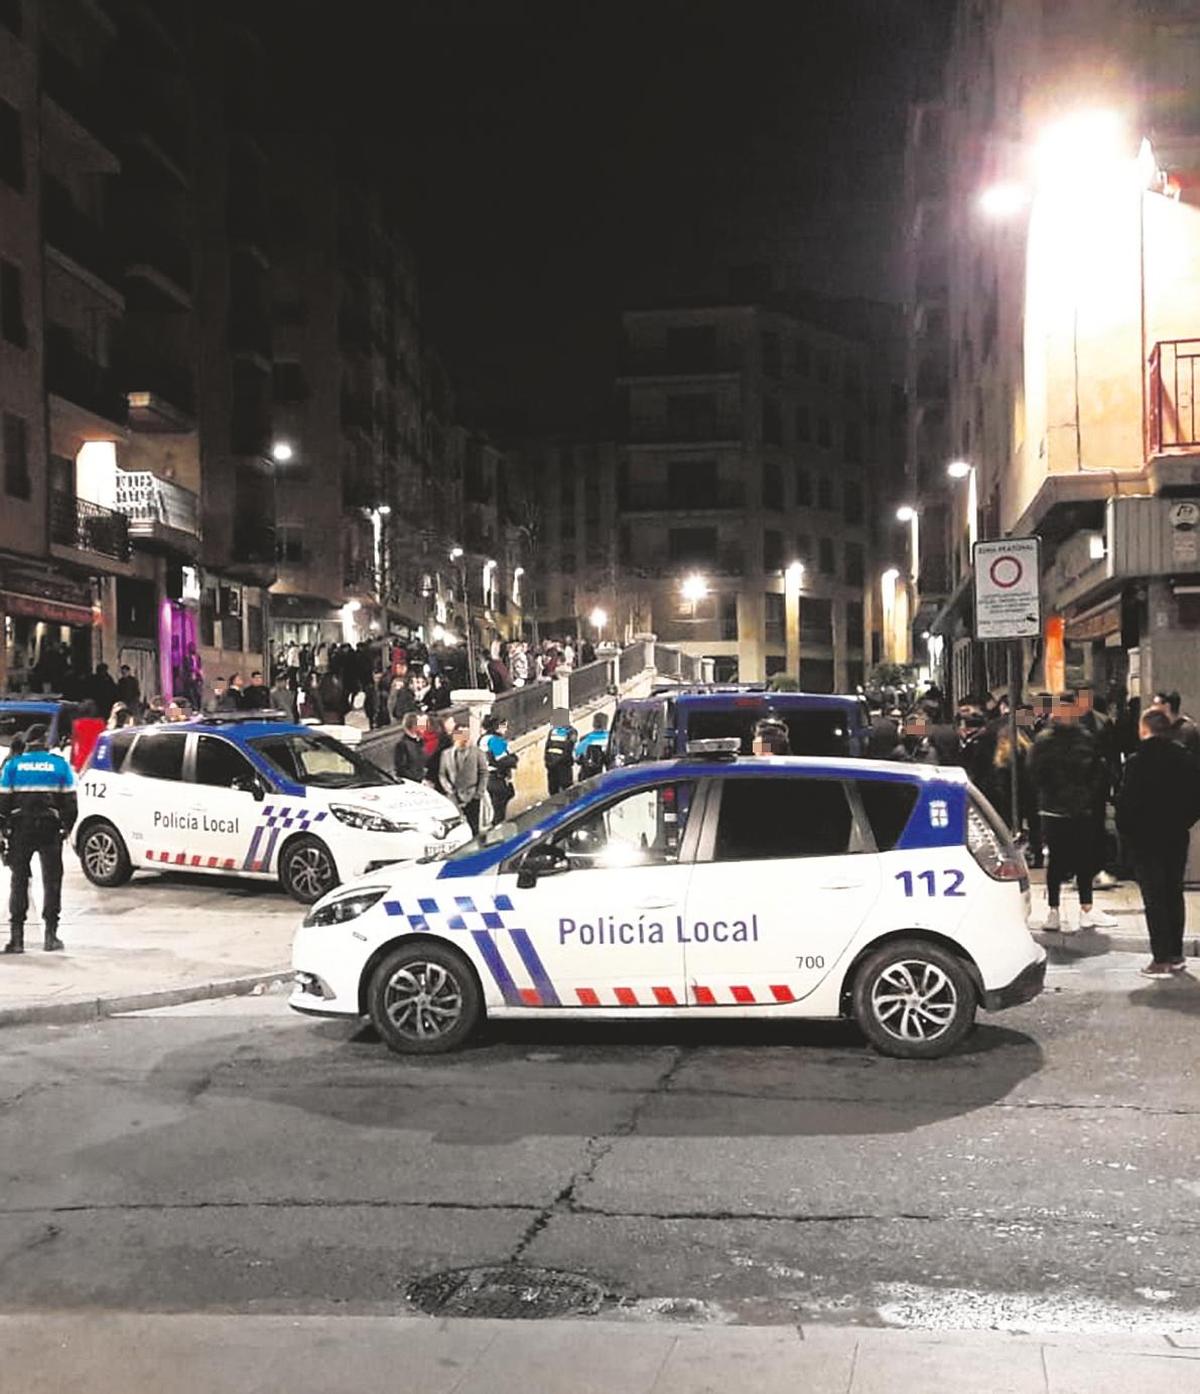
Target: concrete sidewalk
{"points": [[158, 940], [113, 1353], [1124, 904]]}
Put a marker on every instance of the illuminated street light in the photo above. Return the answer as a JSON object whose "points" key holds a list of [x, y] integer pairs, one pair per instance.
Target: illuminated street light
{"points": [[890, 576], [959, 469], [598, 619], [795, 573], [905, 513], [281, 452], [384, 510], [693, 588], [455, 553], [963, 469]]}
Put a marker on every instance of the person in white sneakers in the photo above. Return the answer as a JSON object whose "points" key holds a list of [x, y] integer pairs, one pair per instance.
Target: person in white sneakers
{"points": [[1071, 781]]}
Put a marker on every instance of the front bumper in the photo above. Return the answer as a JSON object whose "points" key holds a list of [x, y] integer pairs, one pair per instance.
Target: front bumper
{"points": [[1024, 988]]}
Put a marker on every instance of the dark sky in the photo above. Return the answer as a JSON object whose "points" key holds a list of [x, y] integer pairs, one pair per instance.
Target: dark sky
{"points": [[559, 161]]}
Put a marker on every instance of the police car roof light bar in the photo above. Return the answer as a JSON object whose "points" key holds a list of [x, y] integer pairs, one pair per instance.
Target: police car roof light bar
{"points": [[716, 748], [239, 718]]}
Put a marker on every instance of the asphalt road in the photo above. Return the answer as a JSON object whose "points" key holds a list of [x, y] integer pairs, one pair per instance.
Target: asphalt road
{"points": [[233, 1157]]}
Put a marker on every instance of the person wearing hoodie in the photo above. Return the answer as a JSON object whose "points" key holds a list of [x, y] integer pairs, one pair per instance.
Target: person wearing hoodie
{"points": [[1159, 801], [1070, 782]]}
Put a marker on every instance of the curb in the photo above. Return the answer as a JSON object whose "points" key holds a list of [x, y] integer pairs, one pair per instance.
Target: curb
{"points": [[95, 1008], [1095, 941]]}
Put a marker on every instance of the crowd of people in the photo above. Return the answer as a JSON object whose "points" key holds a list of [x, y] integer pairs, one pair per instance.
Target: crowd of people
{"points": [[1099, 797]]}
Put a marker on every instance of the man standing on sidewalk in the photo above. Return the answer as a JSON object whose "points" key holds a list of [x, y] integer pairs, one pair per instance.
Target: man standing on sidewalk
{"points": [[38, 809], [463, 776], [1158, 803]]}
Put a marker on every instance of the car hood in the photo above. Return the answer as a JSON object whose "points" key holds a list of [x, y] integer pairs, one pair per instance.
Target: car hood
{"points": [[408, 799]]}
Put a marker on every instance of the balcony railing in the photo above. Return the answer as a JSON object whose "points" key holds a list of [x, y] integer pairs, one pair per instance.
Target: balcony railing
{"points": [[662, 498], [589, 682], [88, 527], [162, 379], [525, 708], [70, 88], [150, 503], [631, 661], [79, 379], [1174, 419], [152, 249]]}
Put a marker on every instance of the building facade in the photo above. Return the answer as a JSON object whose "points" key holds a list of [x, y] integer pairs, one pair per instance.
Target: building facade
{"points": [[1069, 153]]}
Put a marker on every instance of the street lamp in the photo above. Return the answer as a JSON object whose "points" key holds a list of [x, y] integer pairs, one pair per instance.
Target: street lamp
{"points": [[598, 619], [906, 513], [458, 557], [693, 588], [282, 452]]}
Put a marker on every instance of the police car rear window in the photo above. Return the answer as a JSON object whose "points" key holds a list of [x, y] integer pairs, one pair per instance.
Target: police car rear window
{"points": [[119, 744], [889, 804]]}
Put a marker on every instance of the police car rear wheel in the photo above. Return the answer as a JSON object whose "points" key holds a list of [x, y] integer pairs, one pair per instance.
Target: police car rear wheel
{"points": [[914, 1000], [104, 856], [424, 999], [307, 870]]}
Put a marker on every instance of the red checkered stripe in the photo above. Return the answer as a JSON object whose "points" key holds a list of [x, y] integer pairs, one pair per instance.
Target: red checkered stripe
{"points": [[737, 995], [193, 859]]}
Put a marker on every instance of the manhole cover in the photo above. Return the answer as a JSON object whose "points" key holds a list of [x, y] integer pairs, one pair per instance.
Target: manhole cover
{"points": [[505, 1291]]}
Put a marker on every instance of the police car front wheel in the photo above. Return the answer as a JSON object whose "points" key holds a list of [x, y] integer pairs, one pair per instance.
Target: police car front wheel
{"points": [[103, 855], [914, 1000], [424, 999], [307, 870]]}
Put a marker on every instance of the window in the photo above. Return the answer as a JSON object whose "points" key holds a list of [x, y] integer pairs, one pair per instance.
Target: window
{"points": [[816, 622], [855, 566], [775, 612], [692, 544], [804, 493], [220, 763], [852, 443], [158, 755], [803, 422], [643, 829], [772, 421], [826, 556], [824, 367], [10, 16], [772, 486], [12, 306], [692, 347], [289, 383], [803, 359], [118, 747], [692, 484], [12, 153], [17, 483], [825, 493], [889, 804], [319, 761], [772, 550], [852, 502], [763, 819], [824, 431], [692, 416], [771, 357], [289, 542], [854, 624], [729, 620]]}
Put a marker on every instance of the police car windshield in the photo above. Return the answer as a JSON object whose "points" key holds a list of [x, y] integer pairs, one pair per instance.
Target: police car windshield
{"points": [[320, 761], [514, 827]]}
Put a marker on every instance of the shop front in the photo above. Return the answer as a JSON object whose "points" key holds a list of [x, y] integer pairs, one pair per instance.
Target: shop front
{"points": [[48, 626]]}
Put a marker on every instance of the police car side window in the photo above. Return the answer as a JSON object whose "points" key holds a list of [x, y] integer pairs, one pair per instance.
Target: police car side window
{"points": [[889, 804], [644, 828], [763, 819], [119, 744], [219, 763], [158, 756]]}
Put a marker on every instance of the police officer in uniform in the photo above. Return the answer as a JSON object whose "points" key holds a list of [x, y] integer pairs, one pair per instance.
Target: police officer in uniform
{"points": [[559, 753], [38, 809]]}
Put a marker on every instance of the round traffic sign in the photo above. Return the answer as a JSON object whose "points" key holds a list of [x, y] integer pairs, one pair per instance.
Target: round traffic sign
{"points": [[1005, 572]]}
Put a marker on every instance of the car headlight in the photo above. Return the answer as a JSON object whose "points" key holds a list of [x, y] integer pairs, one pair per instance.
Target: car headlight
{"points": [[366, 819], [345, 907]]}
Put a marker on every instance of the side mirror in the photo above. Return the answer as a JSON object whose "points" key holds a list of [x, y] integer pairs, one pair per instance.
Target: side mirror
{"points": [[251, 785], [541, 861]]}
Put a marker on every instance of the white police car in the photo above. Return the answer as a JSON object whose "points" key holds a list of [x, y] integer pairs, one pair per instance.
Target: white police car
{"points": [[781, 887], [249, 796]]}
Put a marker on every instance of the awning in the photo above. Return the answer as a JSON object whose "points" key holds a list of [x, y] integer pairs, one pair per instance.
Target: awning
{"points": [[39, 608]]}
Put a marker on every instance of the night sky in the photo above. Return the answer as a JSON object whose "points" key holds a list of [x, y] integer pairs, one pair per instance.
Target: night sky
{"points": [[559, 161]]}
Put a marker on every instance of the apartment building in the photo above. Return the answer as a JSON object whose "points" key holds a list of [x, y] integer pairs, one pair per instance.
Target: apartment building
{"points": [[1070, 149], [751, 448]]}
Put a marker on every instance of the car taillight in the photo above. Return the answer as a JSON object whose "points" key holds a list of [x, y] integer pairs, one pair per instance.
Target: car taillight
{"points": [[996, 855]]}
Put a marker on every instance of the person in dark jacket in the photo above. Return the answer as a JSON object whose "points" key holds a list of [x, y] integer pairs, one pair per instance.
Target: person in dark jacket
{"points": [[38, 808], [558, 753], [408, 756], [129, 690], [1070, 780], [501, 764], [1159, 801]]}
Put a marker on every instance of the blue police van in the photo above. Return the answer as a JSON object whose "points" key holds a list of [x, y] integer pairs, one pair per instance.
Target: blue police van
{"points": [[18, 714]]}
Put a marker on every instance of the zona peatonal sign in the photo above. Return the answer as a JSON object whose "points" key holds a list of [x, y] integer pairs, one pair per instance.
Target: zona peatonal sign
{"points": [[1008, 593]]}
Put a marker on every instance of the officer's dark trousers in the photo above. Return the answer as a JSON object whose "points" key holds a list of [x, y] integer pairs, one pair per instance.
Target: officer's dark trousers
{"points": [[22, 847], [1159, 871], [558, 777]]}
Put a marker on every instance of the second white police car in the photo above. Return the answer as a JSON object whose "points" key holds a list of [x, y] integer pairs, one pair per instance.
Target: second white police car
{"points": [[255, 797], [696, 887]]}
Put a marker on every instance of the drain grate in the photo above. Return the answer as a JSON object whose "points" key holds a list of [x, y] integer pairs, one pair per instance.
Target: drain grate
{"points": [[507, 1291]]}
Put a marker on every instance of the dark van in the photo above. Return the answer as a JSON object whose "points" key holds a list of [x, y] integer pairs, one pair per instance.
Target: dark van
{"points": [[660, 726]]}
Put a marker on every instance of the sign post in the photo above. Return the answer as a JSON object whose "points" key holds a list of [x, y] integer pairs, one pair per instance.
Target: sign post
{"points": [[1008, 608]]}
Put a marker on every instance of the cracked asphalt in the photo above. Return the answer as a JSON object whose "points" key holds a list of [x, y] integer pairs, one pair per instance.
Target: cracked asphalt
{"points": [[233, 1157]]}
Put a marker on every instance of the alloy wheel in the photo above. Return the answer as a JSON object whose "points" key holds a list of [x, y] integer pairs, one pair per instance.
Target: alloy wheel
{"points": [[423, 1001], [311, 871], [101, 855], [914, 1000]]}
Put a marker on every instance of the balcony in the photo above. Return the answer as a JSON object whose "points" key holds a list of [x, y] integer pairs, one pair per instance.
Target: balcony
{"points": [[161, 395], [159, 511], [88, 527], [151, 123], [75, 236], [254, 546], [77, 378], [1174, 423], [652, 362], [161, 261], [80, 100], [661, 498]]}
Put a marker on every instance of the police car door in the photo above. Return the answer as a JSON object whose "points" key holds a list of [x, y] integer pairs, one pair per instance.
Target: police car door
{"points": [[151, 804], [228, 799], [785, 874], [600, 927]]}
